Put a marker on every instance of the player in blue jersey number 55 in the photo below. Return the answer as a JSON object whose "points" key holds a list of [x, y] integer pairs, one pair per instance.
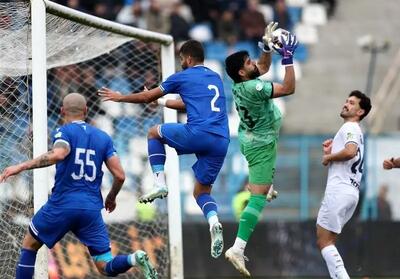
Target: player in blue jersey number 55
{"points": [[206, 133], [79, 151]]}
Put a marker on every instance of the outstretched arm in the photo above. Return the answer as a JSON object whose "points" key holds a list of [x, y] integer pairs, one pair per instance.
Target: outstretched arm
{"points": [[146, 96], [391, 163], [58, 153], [114, 166]]}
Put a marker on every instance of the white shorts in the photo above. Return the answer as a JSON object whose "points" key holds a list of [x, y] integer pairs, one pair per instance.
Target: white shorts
{"points": [[336, 210]]}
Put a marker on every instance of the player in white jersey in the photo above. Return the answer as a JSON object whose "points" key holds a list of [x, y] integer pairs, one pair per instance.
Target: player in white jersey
{"points": [[344, 156]]}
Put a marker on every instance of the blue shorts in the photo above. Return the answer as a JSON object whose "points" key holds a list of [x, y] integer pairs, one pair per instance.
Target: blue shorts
{"points": [[51, 223], [210, 149]]}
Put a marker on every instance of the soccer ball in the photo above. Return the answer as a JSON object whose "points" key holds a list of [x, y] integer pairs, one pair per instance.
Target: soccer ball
{"points": [[277, 36]]}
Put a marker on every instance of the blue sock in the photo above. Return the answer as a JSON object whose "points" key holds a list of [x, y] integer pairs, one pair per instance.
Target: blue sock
{"points": [[207, 204], [156, 151], [119, 264], [26, 264]]}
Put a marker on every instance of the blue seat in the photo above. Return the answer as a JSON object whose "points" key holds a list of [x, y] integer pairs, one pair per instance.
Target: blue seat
{"points": [[216, 50], [249, 46], [301, 53], [294, 14]]}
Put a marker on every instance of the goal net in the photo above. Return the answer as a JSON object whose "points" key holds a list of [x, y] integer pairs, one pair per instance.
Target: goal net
{"points": [[81, 57]]}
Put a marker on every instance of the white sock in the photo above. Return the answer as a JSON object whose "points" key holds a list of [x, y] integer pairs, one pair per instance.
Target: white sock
{"points": [[212, 220], [132, 259], [334, 262], [159, 178], [239, 245]]}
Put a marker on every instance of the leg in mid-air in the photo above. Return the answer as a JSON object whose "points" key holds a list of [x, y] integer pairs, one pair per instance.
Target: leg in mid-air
{"points": [[261, 163], [248, 221], [26, 263], [156, 152], [210, 158], [207, 204], [112, 266], [91, 230]]}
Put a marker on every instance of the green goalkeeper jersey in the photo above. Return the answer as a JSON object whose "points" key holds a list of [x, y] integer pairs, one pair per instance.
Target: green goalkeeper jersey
{"points": [[260, 118]]}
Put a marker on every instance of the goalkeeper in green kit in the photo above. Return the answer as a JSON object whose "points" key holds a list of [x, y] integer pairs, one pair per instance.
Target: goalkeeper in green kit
{"points": [[260, 121]]}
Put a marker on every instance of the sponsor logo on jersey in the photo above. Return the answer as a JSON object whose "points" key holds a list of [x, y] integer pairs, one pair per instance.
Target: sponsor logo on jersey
{"points": [[259, 86]]}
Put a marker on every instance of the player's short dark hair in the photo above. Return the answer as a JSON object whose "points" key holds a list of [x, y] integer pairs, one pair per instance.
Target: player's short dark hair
{"points": [[235, 62], [194, 49], [365, 102]]}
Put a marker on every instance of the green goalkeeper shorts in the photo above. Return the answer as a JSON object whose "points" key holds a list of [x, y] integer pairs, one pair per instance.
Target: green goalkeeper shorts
{"points": [[261, 161]]}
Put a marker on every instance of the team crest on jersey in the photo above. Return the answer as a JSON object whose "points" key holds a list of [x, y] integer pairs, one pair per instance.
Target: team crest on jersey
{"points": [[58, 135], [350, 136], [259, 86]]}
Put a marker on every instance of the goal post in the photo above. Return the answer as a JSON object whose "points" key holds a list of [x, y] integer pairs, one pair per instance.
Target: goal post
{"points": [[172, 169], [70, 51], [39, 117]]}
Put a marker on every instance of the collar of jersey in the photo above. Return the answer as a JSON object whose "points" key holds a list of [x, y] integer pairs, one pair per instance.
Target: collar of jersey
{"points": [[78, 121]]}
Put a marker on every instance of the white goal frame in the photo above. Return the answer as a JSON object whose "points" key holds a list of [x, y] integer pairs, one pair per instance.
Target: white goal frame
{"points": [[39, 8]]}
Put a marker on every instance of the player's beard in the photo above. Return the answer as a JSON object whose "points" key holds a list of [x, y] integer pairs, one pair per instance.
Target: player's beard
{"points": [[344, 113], [255, 73], [184, 66]]}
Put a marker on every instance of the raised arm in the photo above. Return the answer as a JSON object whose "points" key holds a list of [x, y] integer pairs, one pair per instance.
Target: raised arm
{"points": [[289, 81], [146, 96], [114, 166], [288, 85], [59, 151], [264, 62]]}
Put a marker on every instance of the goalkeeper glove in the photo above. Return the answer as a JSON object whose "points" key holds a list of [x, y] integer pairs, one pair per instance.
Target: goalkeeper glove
{"points": [[287, 50], [267, 38]]}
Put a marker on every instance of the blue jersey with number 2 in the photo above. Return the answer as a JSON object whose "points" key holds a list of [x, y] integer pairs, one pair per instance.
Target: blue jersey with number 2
{"points": [[79, 176], [202, 92]]}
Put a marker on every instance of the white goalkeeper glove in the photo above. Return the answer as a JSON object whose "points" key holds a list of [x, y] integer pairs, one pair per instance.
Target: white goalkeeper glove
{"points": [[267, 38]]}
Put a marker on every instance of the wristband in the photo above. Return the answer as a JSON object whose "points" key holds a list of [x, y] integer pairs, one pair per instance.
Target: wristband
{"points": [[264, 47], [162, 102], [287, 61]]}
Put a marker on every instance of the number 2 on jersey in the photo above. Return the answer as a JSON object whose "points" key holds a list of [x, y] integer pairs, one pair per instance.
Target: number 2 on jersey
{"points": [[216, 96], [82, 164]]}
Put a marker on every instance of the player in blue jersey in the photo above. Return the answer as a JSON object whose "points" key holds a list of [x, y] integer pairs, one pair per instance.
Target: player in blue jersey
{"points": [[79, 151], [206, 133]]}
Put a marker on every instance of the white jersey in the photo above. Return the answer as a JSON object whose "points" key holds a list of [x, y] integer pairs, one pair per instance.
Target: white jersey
{"points": [[345, 176]]}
